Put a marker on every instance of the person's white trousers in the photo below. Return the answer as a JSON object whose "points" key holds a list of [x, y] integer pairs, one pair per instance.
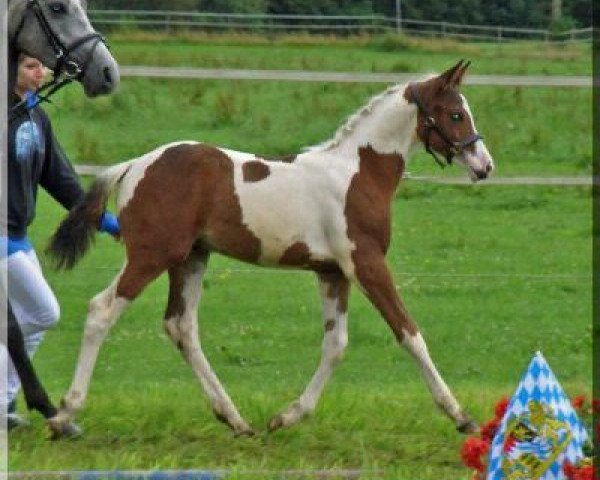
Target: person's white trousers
{"points": [[34, 305]]}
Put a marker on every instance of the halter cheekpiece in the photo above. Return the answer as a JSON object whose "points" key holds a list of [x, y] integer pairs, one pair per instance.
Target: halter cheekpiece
{"points": [[455, 148]]}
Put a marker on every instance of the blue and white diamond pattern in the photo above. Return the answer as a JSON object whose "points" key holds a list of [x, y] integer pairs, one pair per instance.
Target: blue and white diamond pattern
{"points": [[539, 384]]}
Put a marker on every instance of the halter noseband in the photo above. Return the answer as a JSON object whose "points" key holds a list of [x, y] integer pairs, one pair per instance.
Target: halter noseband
{"points": [[70, 69], [455, 148]]}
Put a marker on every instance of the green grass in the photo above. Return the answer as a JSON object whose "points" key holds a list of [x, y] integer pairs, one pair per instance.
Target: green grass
{"points": [[388, 53], [534, 131], [492, 274]]}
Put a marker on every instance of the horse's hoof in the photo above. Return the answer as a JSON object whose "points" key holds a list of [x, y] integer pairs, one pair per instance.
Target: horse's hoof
{"points": [[239, 430], [244, 432], [220, 417], [72, 430], [276, 423], [63, 429], [468, 427]]}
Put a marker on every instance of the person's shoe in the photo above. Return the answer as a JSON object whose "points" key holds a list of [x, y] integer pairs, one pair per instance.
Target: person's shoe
{"points": [[14, 420]]}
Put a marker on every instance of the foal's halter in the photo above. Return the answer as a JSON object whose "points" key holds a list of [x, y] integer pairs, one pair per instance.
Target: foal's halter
{"points": [[455, 148], [67, 68]]}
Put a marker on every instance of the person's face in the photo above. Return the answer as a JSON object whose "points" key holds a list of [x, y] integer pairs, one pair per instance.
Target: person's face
{"points": [[30, 74]]}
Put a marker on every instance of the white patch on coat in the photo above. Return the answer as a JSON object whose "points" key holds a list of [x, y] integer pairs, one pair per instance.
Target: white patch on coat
{"points": [[441, 393], [305, 201], [482, 158], [302, 201], [388, 122]]}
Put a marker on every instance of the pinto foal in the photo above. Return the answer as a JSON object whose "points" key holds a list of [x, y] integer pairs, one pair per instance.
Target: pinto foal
{"points": [[327, 211]]}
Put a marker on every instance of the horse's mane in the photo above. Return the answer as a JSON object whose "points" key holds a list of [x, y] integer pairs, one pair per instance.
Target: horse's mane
{"points": [[350, 124]]}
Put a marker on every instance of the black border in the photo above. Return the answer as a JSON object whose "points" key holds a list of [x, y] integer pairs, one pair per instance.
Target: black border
{"points": [[3, 187], [596, 232]]}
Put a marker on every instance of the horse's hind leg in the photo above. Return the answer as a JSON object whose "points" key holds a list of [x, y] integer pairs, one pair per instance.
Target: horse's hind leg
{"points": [[104, 309], [334, 289], [185, 287]]}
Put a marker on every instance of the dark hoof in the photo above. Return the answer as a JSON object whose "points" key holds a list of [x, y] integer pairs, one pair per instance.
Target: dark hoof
{"points": [[246, 432], [220, 417], [275, 423], [69, 431], [63, 430], [468, 427]]}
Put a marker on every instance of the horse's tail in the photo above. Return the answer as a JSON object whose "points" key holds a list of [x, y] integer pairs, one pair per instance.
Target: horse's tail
{"points": [[75, 234]]}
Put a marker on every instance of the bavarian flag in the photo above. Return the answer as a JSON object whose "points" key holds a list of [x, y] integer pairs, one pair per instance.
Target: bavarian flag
{"points": [[539, 431]]}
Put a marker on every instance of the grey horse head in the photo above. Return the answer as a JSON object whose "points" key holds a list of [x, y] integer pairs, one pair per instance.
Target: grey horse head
{"points": [[83, 48]]}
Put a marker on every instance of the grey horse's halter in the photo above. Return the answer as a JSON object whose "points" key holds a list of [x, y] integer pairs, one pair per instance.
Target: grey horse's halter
{"points": [[67, 68]]}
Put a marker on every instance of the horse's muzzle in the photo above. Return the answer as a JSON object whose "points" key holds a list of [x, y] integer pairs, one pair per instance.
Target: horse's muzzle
{"points": [[480, 174]]}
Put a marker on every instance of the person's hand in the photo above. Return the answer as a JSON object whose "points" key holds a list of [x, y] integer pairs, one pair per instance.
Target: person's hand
{"points": [[110, 224]]}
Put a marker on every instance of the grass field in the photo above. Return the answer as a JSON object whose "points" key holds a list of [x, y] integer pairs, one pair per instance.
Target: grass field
{"points": [[491, 274], [389, 53]]}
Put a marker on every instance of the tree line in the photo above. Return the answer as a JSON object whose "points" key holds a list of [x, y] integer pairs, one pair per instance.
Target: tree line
{"points": [[554, 14]]}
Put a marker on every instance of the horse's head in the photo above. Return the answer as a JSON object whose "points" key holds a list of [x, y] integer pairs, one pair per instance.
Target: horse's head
{"points": [[445, 124], [59, 34]]}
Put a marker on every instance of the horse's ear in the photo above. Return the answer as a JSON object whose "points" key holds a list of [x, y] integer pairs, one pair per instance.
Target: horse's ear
{"points": [[452, 78]]}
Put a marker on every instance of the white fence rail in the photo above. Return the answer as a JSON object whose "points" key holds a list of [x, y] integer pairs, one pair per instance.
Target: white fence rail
{"points": [[339, 24]]}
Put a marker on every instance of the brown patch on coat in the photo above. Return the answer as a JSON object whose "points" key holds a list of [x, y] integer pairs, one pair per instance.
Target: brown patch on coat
{"points": [[186, 196], [441, 98], [178, 277], [175, 302], [338, 287], [368, 214], [369, 196], [329, 325], [298, 255], [255, 171]]}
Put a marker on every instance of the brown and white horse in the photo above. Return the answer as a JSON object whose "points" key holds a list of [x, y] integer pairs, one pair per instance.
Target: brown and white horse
{"points": [[327, 211]]}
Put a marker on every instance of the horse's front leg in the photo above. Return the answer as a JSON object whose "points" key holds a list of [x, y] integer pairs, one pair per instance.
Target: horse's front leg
{"points": [[185, 287], [334, 289], [374, 278]]}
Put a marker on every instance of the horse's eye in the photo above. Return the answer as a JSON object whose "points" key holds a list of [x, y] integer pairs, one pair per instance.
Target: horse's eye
{"points": [[58, 7], [456, 117]]}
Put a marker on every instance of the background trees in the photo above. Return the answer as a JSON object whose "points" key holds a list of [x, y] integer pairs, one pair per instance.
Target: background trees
{"points": [[510, 13]]}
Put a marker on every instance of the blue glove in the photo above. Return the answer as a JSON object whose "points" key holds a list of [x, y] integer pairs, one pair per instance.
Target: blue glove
{"points": [[109, 224]]}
